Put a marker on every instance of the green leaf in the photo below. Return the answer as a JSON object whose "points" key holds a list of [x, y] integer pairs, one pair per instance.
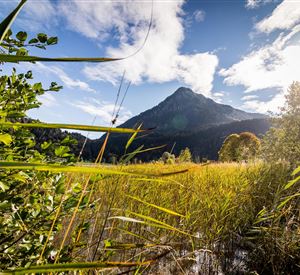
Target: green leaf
{"points": [[28, 58], [126, 219], [156, 223], [52, 41], [3, 186], [21, 52], [132, 137], [70, 126], [296, 171], [21, 176], [5, 138], [291, 183], [62, 151], [33, 41], [283, 203], [28, 75], [7, 22], [42, 37], [37, 87], [60, 188], [22, 36], [45, 145]]}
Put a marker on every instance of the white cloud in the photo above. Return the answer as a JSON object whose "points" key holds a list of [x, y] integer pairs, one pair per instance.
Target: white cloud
{"points": [[285, 16], [218, 96], [48, 100], [199, 15], [65, 78], [249, 97], [103, 110], [197, 70], [253, 4], [272, 105], [273, 66], [160, 59]]}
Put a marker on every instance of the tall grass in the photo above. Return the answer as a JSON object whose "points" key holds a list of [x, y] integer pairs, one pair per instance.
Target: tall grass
{"points": [[203, 214]]}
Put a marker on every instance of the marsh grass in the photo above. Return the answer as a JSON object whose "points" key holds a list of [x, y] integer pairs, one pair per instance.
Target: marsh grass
{"points": [[207, 211]]}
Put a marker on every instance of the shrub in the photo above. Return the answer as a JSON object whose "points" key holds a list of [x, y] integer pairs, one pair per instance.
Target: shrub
{"points": [[168, 158], [242, 147], [185, 155], [282, 141]]}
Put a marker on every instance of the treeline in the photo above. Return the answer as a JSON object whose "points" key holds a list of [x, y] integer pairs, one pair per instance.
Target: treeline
{"points": [[203, 144]]}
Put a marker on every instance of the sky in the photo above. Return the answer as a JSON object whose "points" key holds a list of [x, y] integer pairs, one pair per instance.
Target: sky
{"points": [[241, 53]]}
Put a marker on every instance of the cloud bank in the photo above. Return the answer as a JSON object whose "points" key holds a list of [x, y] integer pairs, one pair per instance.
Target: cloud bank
{"points": [[276, 64], [285, 16], [159, 61]]}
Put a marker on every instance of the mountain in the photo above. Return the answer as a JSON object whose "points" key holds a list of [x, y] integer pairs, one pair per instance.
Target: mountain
{"points": [[185, 111], [187, 119]]}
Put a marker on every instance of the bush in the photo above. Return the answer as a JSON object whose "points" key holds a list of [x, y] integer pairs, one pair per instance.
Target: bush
{"points": [[168, 158], [185, 155], [242, 147], [281, 143]]}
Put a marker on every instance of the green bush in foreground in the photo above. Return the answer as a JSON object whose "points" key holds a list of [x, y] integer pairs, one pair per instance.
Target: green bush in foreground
{"points": [[28, 199]]}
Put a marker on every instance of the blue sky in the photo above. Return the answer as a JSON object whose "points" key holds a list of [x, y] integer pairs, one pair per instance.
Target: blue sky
{"points": [[242, 53]]}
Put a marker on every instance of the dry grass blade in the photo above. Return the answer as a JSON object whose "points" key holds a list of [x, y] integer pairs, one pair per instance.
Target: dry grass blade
{"points": [[7, 22], [156, 206], [72, 127], [73, 267], [28, 58], [60, 169], [157, 223]]}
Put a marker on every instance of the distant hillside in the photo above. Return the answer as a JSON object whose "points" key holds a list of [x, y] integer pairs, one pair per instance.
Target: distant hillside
{"points": [[185, 118]]}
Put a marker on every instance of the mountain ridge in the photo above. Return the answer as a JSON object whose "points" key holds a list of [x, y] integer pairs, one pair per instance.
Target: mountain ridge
{"points": [[188, 120], [185, 110], [200, 124]]}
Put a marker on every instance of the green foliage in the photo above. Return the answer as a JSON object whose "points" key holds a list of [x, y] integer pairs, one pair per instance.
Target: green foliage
{"points": [[17, 46], [18, 95], [185, 155], [282, 141], [244, 146], [28, 198], [274, 235]]}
